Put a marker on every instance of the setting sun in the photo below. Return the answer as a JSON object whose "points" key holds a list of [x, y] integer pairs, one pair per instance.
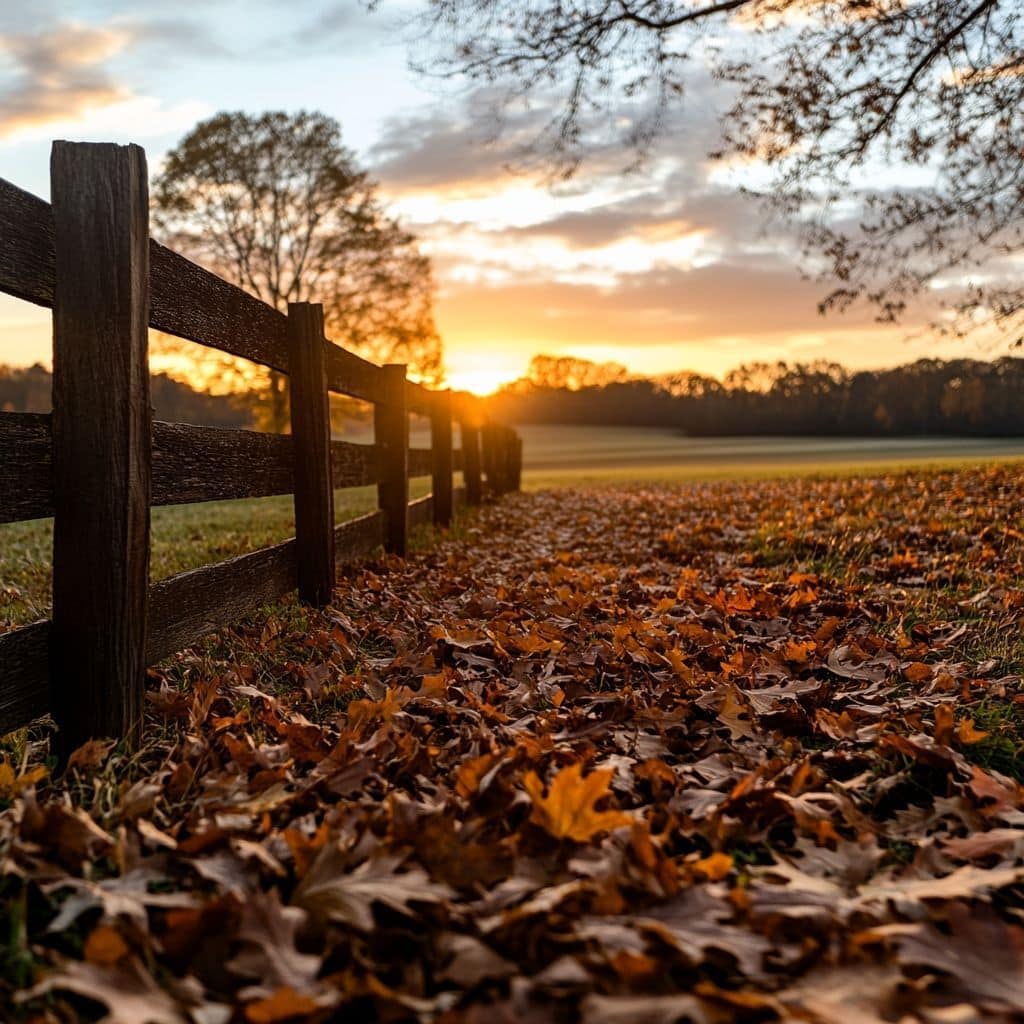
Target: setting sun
{"points": [[483, 374]]}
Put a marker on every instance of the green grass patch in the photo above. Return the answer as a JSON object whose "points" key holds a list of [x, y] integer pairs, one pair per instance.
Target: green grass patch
{"points": [[184, 537]]}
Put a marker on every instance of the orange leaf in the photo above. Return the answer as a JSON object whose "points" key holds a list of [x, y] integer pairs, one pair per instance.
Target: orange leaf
{"points": [[714, 868], [568, 811], [105, 946], [917, 672], [944, 724], [284, 1004], [967, 734]]}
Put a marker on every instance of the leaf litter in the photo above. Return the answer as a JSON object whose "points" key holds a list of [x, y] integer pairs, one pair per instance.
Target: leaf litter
{"points": [[727, 752]]}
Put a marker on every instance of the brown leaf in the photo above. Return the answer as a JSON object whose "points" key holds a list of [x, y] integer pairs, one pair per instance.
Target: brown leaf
{"points": [[568, 811]]}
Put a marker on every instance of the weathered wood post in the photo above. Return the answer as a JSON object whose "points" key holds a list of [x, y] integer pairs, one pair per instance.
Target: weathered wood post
{"points": [[471, 461], [311, 441], [441, 456], [102, 427], [391, 433], [488, 458], [517, 461]]}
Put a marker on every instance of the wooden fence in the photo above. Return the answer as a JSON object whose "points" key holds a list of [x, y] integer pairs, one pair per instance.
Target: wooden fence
{"points": [[98, 462]]}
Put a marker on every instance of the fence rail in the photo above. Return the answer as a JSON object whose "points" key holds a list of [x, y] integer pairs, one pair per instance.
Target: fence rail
{"points": [[99, 461]]}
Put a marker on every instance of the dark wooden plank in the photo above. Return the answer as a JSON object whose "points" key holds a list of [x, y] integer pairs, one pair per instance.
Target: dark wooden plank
{"points": [[186, 607], [185, 299], [354, 465], [311, 432], [192, 464], [102, 436], [391, 430], [457, 460], [26, 483], [421, 512], [419, 399], [352, 375], [516, 443], [191, 302], [459, 497], [441, 462], [24, 676], [358, 537], [421, 462], [26, 246], [471, 464]]}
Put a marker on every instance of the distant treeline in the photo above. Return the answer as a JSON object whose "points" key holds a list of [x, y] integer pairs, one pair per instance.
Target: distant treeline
{"points": [[930, 396], [27, 389]]}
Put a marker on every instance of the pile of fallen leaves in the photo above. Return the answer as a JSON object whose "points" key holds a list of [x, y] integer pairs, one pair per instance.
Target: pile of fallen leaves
{"points": [[734, 752]]}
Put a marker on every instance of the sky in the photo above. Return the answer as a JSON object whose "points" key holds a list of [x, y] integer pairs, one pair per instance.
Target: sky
{"points": [[668, 268]]}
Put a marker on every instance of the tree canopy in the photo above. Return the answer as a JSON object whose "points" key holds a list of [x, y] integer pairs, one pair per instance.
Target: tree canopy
{"points": [[276, 203], [892, 128]]}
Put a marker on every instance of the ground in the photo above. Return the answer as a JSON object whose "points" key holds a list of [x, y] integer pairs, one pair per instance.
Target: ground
{"points": [[639, 754]]}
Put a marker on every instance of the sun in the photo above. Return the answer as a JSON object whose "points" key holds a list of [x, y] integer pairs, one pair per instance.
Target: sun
{"points": [[481, 376]]}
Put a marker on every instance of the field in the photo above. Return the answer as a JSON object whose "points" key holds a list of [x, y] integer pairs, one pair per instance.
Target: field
{"points": [[188, 536], [729, 751], [555, 455], [184, 537]]}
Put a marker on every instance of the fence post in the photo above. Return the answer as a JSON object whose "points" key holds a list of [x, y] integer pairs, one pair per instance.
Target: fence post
{"points": [[441, 456], [311, 442], [391, 433], [102, 427], [517, 462], [471, 461], [493, 438]]}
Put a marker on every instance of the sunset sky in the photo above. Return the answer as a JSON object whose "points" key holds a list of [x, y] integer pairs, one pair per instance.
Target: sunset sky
{"points": [[666, 269]]}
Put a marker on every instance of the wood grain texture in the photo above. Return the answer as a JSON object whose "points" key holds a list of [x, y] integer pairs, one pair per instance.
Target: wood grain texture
{"points": [[185, 607], [350, 374], [358, 537], [26, 246], [471, 462], [185, 299], [311, 434], [102, 424], [391, 431], [441, 457], [421, 512], [26, 482], [354, 465], [193, 464], [190, 464], [24, 675]]}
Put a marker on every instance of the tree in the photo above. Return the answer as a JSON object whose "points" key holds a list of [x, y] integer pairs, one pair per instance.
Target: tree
{"points": [[826, 90], [572, 373], [276, 203]]}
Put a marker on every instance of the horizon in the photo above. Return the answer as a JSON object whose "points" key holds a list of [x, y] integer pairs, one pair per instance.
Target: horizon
{"points": [[664, 267]]}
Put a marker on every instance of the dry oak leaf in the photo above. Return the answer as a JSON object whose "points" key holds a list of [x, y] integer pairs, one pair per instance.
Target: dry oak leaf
{"points": [[12, 782], [332, 889], [568, 811], [983, 956], [128, 992]]}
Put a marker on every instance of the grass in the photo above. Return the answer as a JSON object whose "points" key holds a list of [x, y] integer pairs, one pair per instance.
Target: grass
{"points": [[184, 537], [608, 476]]}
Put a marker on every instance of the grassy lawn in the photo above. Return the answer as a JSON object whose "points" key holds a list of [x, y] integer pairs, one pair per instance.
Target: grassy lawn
{"points": [[184, 537], [598, 476]]}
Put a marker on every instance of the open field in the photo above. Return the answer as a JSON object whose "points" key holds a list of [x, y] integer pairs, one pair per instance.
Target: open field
{"points": [[184, 537], [726, 751], [581, 455]]}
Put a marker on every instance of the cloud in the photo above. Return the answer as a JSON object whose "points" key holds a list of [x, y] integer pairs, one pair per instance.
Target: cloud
{"points": [[58, 80], [57, 74]]}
